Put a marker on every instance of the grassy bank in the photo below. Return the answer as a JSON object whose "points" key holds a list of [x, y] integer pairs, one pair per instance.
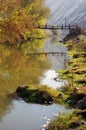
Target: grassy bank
{"points": [[76, 71], [70, 121], [75, 91]]}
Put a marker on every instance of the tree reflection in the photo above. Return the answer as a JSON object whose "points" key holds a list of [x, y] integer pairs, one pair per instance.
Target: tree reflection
{"points": [[5, 104], [17, 69]]}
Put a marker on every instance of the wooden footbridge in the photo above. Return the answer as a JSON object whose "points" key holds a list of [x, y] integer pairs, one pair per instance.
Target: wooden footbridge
{"points": [[73, 29]]}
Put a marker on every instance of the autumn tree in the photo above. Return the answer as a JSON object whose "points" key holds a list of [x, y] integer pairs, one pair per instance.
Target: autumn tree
{"points": [[19, 19]]}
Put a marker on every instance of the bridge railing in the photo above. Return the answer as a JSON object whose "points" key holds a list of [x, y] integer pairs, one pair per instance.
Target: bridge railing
{"points": [[74, 29], [57, 27]]}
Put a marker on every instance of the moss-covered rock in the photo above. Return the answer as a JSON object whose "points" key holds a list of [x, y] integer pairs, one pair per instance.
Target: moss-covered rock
{"points": [[40, 94]]}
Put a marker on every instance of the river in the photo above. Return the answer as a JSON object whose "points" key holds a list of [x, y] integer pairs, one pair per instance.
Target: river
{"points": [[16, 114], [18, 70]]}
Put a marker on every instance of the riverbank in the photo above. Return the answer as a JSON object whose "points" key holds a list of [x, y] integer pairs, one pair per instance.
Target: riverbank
{"points": [[76, 71], [75, 90]]}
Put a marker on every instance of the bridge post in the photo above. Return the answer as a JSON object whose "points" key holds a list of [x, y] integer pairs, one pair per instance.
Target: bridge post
{"points": [[62, 26], [78, 29], [65, 22]]}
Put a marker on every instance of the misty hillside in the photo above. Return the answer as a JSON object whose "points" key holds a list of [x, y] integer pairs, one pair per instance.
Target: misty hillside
{"points": [[73, 10]]}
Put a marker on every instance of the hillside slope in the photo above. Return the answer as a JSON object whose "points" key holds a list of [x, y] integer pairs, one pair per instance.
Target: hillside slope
{"points": [[73, 10]]}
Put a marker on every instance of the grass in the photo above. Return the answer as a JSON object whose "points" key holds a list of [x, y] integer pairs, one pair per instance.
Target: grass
{"points": [[67, 121], [76, 71]]}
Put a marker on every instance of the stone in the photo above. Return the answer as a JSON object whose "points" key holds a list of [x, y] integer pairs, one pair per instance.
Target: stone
{"points": [[81, 104]]}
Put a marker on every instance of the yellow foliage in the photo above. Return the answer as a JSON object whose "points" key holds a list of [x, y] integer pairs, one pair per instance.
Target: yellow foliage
{"points": [[19, 21]]}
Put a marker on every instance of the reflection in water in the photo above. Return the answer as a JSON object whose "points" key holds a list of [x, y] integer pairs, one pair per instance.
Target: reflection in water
{"points": [[58, 61], [51, 78], [5, 105], [18, 69]]}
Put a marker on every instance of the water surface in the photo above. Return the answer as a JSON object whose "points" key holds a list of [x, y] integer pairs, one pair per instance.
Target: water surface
{"points": [[25, 116], [20, 70]]}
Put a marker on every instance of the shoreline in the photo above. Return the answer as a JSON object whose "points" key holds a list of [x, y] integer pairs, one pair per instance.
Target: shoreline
{"points": [[75, 91]]}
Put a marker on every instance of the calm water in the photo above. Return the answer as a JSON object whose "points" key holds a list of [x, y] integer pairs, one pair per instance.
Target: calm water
{"points": [[16, 114], [29, 116]]}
